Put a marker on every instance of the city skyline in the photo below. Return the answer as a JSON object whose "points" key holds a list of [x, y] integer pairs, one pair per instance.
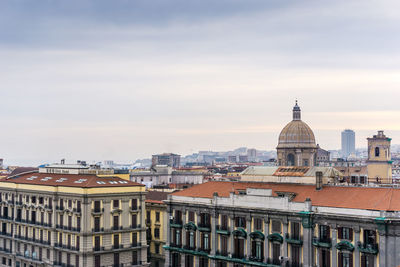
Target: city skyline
{"points": [[88, 80]]}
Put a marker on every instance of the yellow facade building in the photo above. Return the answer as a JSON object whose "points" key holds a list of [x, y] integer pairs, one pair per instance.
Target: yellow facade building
{"points": [[379, 159], [156, 222]]}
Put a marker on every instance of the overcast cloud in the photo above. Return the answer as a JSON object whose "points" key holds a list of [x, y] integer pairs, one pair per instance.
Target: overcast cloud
{"points": [[126, 79]]}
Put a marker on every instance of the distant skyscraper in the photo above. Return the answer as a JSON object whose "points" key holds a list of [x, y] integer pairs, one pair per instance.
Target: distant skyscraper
{"points": [[348, 143]]}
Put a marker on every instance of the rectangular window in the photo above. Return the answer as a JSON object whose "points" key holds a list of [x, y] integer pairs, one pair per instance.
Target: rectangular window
{"points": [[96, 261], [97, 243], [116, 259], [134, 239], [97, 224], [240, 222], [116, 222], [224, 222], [276, 226], [61, 204], [134, 220], [224, 245], [69, 203], [191, 216], [33, 217], [148, 217], [345, 233], [41, 200], [157, 216], [134, 204], [134, 257], [97, 205], [157, 233], [258, 224], [324, 232], [157, 248], [295, 230], [76, 260], [116, 241], [78, 208], [116, 204]]}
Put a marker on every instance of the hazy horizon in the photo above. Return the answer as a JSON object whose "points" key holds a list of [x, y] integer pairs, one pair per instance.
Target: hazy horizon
{"points": [[123, 80]]}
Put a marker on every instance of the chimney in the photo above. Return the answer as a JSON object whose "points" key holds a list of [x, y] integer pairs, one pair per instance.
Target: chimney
{"points": [[318, 182], [62, 161]]}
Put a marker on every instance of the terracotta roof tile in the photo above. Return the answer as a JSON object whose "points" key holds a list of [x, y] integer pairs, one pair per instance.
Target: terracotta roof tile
{"points": [[368, 198]]}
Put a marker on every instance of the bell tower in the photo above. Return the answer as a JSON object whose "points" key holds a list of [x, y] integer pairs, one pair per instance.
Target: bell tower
{"points": [[379, 164]]}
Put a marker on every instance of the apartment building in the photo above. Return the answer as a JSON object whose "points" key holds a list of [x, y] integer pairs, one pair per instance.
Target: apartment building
{"points": [[275, 224], [71, 220], [156, 222]]}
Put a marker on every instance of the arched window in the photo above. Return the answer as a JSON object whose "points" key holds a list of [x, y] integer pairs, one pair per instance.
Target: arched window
{"points": [[376, 151], [290, 160]]}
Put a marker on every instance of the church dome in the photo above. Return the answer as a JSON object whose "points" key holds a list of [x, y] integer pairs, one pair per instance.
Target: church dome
{"points": [[296, 134]]}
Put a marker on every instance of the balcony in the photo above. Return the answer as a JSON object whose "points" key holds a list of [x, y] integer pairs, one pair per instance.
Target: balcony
{"points": [[294, 239], [222, 253], [135, 226], [206, 250], [324, 242], [98, 230], [256, 259], [98, 248], [190, 248], [204, 227], [97, 211], [175, 223], [222, 229], [370, 248], [239, 256], [175, 245]]}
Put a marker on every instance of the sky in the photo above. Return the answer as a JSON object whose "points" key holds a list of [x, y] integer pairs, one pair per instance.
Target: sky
{"points": [[121, 80]]}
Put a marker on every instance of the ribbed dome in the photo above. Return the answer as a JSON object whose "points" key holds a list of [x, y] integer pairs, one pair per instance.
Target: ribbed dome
{"points": [[296, 134]]}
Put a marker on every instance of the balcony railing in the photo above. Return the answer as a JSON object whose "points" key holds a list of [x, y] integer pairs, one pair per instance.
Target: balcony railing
{"points": [[294, 239], [322, 241], [371, 248]]}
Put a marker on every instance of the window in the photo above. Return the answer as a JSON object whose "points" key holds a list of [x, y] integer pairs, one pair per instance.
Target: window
{"points": [[41, 200], [276, 226], [178, 217], [205, 241], [69, 222], [257, 249], [97, 205], [78, 208], [240, 222], [134, 204], [97, 224], [224, 245], [157, 248], [258, 224], [115, 203], [189, 261], [370, 237], [224, 222], [367, 260], [134, 257], [295, 230], [345, 233], [134, 220], [324, 232], [77, 244], [96, 261], [205, 220], [177, 237], [77, 261], [69, 203], [33, 200], [116, 259], [157, 216], [116, 222], [97, 243], [116, 241], [148, 216], [157, 233], [78, 223], [377, 152], [203, 262], [61, 204], [345, 260], [191, 216], [134, 239]]}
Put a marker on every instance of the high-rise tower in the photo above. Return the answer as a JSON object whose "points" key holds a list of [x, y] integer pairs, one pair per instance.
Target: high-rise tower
{"points": [[348, 143]]}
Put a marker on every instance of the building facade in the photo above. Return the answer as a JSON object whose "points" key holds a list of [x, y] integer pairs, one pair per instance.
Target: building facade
{"points": [[257, 224], [52, 219], [168, 159], [296, 145], [379, 161], [348, 143], [156, 223]]}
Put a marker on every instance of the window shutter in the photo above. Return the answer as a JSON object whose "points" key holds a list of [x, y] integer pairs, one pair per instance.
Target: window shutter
{"points": [[351, 234], [340, 263], [363, 263], [340, 233], [351, 260]]}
